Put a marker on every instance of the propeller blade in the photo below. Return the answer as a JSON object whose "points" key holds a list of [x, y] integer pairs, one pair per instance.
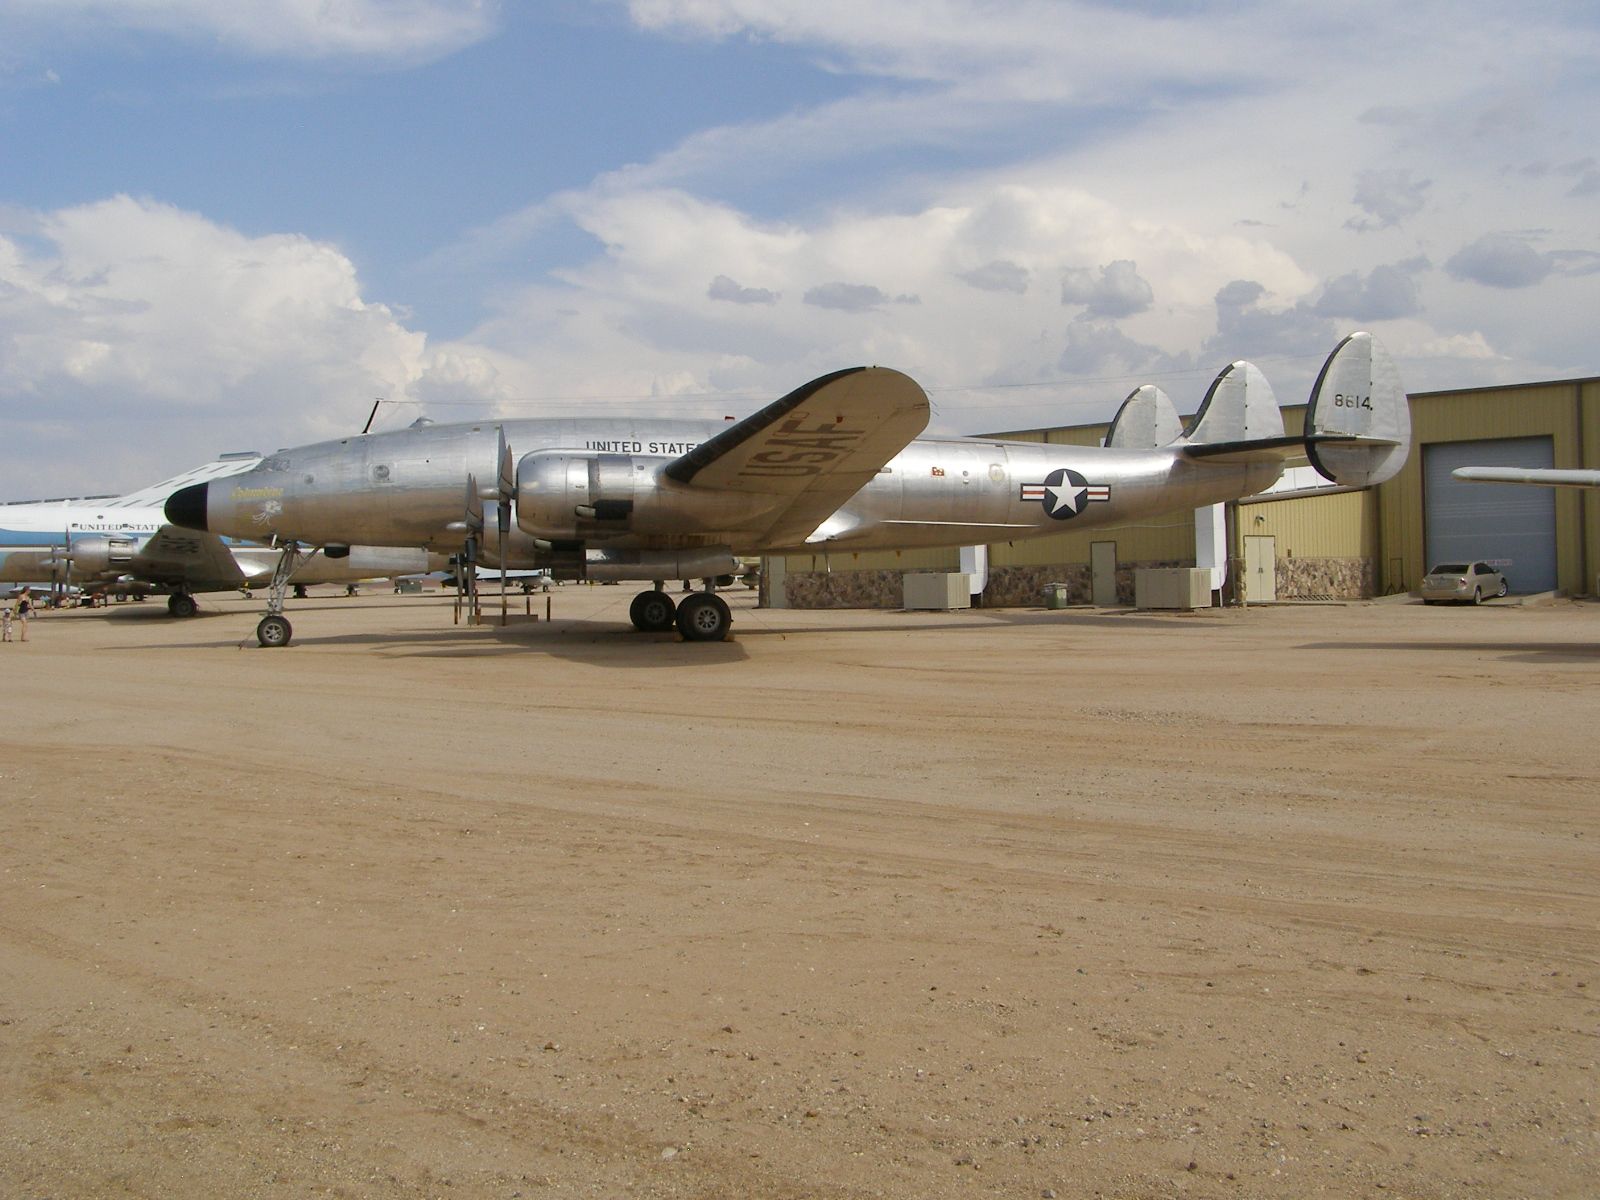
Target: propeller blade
{"points": [[506, 489]]}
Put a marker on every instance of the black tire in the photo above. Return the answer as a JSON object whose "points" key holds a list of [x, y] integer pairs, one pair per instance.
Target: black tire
{"points": [[181, 604], [274, 631], [1477, 596], [652, 612], [704, 617], [1504, 588]]}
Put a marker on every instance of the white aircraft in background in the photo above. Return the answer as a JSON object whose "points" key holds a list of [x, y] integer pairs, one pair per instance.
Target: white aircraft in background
{"points": [[1537, 476], [101, 544]]}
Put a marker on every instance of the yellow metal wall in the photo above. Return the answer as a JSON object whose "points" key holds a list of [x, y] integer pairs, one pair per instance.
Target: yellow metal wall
{"points": [[1340, 526], [1168, 538], [1567, 412]]}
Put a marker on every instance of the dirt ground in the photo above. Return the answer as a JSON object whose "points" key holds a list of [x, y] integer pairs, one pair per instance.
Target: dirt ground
{"points": [[1290, 902]]}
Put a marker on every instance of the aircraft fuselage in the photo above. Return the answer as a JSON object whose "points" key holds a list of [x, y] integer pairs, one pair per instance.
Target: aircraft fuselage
{"points": [[405, 488]]}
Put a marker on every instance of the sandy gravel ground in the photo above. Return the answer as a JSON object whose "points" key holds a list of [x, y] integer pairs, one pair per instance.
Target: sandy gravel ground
{"points": [[1292, 902]]}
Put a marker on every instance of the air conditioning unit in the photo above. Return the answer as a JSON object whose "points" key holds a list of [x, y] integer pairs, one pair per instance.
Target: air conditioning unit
{"points": [[1183, 588], [939, 592]]}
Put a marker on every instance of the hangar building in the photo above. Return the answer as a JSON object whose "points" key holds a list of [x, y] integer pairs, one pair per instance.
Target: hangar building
{"points": [[1306, 539]]}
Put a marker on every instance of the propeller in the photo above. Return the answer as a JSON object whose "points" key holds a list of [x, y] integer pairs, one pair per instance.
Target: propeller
{"points": [[64, 580], [471, 524], [505, 493]]}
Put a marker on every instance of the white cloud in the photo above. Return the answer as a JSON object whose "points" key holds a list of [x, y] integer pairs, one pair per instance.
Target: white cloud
{"points": [[405, 30], [135, 324], [638, 320]]}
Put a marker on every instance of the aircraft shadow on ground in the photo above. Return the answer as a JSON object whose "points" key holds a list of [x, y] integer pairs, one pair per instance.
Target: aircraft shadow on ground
{"points": [[990, 618], [594, 643], [1528, 652], [602, 642]]}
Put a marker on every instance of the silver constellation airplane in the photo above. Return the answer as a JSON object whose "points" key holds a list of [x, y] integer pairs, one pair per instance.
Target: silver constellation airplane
{"points": [[1539, 476], [125, 543], [836, 465]]}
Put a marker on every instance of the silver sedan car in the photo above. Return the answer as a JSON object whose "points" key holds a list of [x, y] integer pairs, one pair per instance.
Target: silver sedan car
{"points": [[1462, 583]]}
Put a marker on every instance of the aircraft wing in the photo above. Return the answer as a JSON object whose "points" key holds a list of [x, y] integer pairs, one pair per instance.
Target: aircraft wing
{"points": [[200, 561], [1542, 476], [813, 449]]}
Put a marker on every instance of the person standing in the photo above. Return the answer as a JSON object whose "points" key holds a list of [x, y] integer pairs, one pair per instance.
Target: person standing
{"points": [[24, 611], [5, 620]]}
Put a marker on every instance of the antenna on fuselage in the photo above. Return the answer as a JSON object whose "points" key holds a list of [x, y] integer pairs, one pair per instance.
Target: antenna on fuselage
{"points": [[372, 414]]}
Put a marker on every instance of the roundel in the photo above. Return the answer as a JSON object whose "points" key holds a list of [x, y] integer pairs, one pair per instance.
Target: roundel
{"points": [[1064, 493]]}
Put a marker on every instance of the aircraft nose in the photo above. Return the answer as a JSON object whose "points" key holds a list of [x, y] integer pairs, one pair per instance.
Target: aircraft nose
{"points": [[187, 506]]}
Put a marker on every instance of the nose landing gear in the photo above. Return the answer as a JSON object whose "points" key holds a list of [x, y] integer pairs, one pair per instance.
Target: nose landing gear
{"points": [[274, 629]]}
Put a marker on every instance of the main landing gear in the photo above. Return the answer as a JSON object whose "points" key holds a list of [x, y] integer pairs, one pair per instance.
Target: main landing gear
{"points": [[181, 604], [702, 617]]}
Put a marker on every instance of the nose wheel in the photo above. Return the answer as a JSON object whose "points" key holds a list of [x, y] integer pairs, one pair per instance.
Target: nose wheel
{"points": [[274, 631]]}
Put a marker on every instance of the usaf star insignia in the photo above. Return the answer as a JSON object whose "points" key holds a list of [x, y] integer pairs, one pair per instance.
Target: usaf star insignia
{"points": [[1064, 494]]}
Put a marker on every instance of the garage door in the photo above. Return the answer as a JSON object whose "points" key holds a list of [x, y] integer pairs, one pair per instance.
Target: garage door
{"points": [[1512, 527]]}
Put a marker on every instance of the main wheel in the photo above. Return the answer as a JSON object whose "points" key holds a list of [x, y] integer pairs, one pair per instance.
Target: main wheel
{"points": [[652, 612], [704, 617], [274, 631], [181, 604]]}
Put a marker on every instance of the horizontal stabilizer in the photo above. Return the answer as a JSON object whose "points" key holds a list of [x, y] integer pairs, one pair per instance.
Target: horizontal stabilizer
{"points": [[1358, 420], [1147, 420], [1277, 449]]}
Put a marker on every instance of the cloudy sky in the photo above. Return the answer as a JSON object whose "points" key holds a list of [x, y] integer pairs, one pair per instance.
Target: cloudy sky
{"points": [[232, 226]]}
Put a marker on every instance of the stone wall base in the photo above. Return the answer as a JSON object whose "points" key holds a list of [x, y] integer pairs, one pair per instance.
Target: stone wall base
{"points": [[1326, 579], [1009, 587], [1023, 587]]}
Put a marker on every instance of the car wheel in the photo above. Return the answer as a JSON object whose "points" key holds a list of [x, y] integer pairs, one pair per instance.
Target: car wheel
{"points": [[1477, 595], [1504, 588]]}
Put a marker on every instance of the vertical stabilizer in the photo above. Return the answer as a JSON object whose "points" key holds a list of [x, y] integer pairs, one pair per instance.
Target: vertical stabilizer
{"points": [[1359, 404], [1146, 421], [1240, 407]]}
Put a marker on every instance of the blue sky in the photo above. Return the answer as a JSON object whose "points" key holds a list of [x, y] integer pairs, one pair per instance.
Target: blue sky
{"points": [[229, 226]]}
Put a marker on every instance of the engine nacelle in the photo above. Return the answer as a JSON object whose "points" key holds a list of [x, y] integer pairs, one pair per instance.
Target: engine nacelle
{"points": [[98, 555], [567, 496], [572, 496]]}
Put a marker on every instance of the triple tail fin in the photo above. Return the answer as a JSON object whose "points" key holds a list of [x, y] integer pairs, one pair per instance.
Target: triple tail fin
{"points": [[1358, 421], [1147, 420]]}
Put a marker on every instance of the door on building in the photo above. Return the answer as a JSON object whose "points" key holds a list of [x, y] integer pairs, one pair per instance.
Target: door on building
{"points": [[1260, 569], [1511, 528], [1103, 574]]}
